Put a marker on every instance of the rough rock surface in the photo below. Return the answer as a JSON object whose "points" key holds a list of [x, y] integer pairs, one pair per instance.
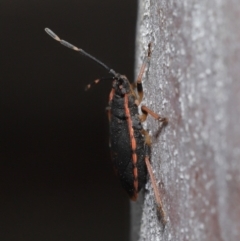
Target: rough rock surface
{"points": [[194, 80]]}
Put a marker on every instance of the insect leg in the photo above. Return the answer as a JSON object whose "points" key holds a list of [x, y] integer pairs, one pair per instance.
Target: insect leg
{"points": [[146, 111], [155, 189], [141, 72]]}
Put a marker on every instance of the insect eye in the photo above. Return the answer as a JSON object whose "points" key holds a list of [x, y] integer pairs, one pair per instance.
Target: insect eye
{"points": [[120, 81]]}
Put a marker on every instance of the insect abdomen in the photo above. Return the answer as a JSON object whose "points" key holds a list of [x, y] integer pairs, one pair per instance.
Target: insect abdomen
{"points": [[122, 150]]}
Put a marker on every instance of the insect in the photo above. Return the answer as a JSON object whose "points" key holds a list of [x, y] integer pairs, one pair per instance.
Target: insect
{"points": [[130, 144]]}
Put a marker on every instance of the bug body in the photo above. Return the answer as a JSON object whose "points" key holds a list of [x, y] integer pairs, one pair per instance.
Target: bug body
{"points": [[129, 142]]}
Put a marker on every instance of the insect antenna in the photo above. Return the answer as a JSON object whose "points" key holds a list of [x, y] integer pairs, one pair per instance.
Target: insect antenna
{"points": [[68, 45], [97, 81]]}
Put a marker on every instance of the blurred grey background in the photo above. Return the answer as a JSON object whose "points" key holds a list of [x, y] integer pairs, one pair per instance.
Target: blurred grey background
{"points": [[56, 177]]}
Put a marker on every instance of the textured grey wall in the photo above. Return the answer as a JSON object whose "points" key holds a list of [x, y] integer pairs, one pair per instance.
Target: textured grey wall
{"points": [[193, 79]]}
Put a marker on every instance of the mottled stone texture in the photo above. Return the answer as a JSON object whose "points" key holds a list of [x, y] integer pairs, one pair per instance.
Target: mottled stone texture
{"points": [[194, 80]]}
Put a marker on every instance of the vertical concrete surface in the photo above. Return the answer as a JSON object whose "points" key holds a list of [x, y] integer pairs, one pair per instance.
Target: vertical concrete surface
{"points": [[193, 79]]}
